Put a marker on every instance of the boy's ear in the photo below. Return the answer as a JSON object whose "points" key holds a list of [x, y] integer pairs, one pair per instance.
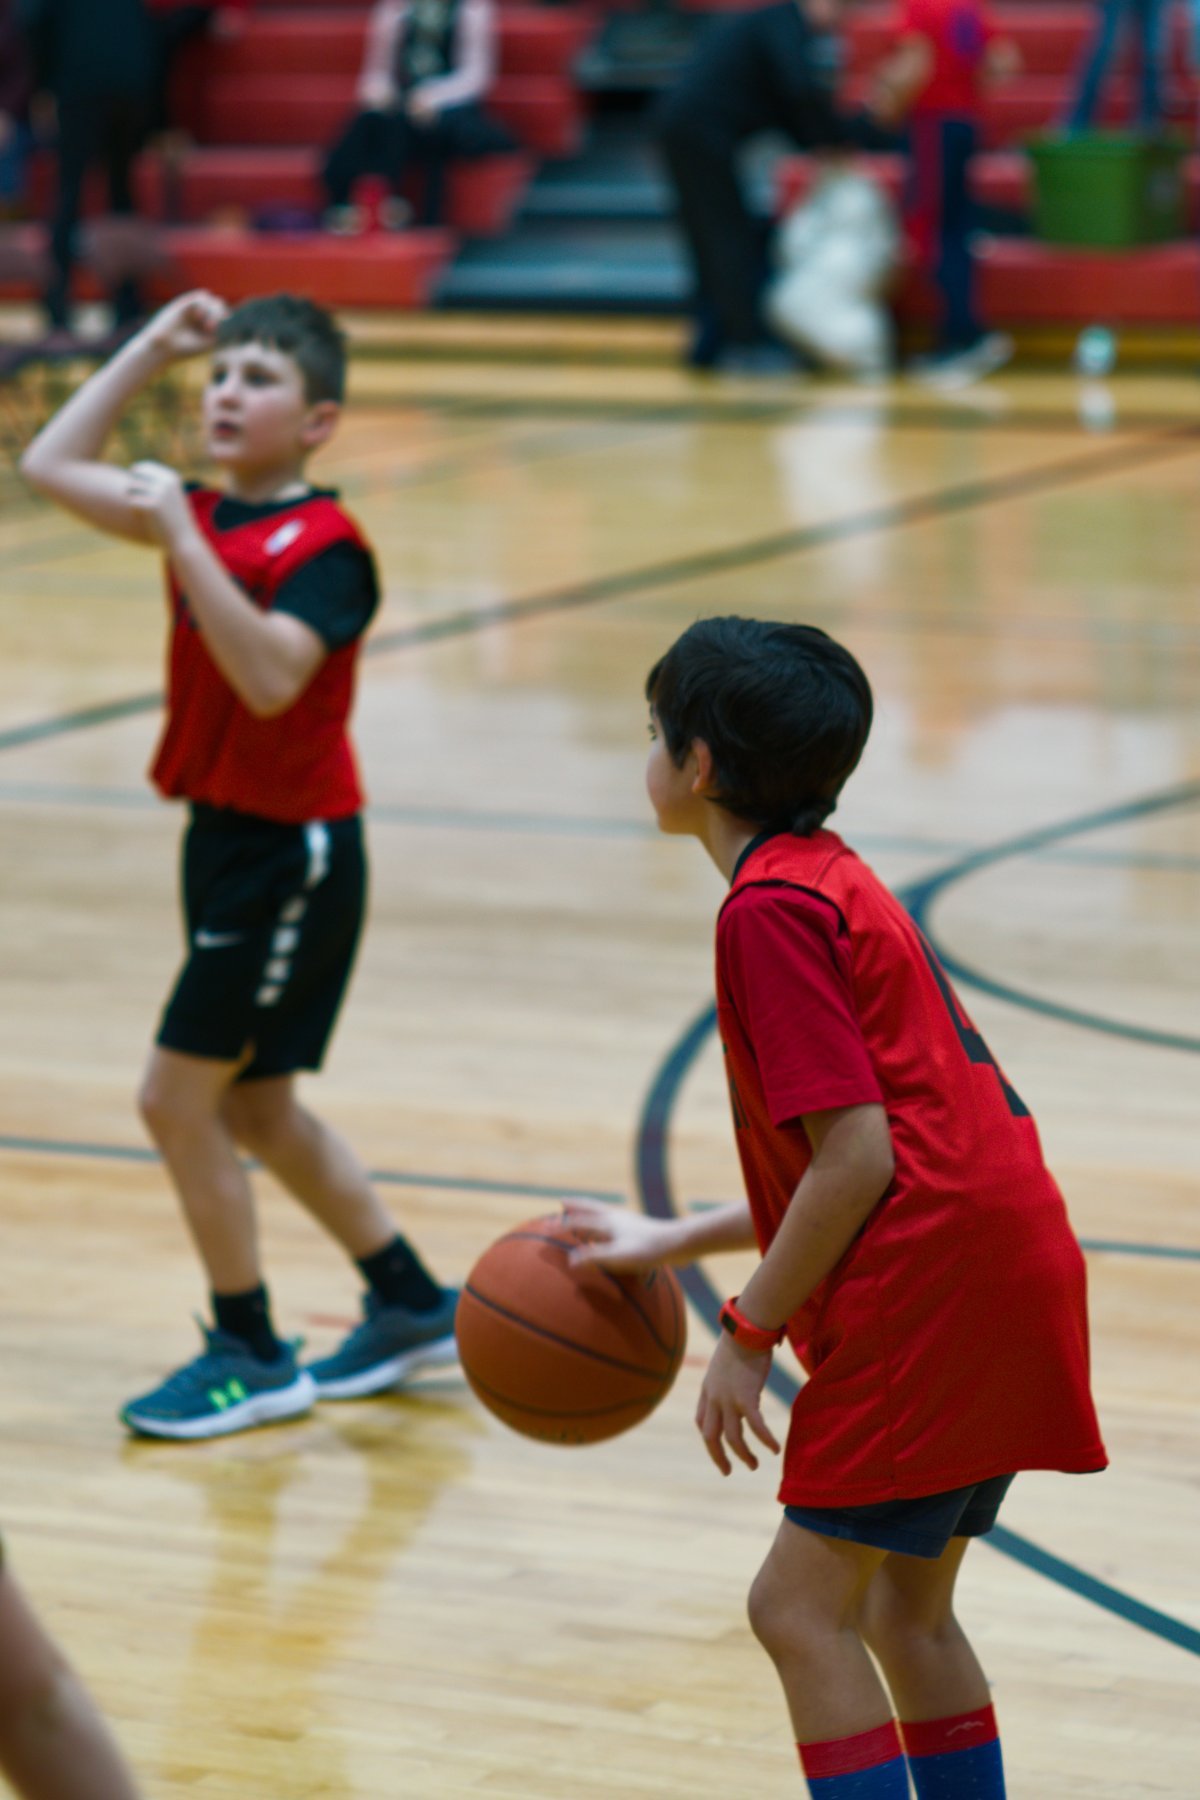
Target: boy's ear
{"points": [[320, 423], [703, 780]]}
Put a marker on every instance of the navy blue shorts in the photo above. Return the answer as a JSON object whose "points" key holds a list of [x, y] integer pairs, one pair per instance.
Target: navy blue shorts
{"points": [[921, 1527]]}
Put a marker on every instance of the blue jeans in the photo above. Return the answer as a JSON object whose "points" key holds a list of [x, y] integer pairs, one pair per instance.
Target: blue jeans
{"points": [[1149, 19]]}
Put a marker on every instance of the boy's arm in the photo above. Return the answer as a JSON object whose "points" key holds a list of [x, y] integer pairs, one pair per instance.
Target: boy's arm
{"points": [[376, 90], [626, 1242], [268, 658], [851, 1167], [65, 459], [900, 78]]}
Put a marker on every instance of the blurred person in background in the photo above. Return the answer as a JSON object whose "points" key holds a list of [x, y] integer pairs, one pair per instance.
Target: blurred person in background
{"points": [[946, 54], [836, 254], [15, 84], [770, 70], [1148, 22], [427, 67], [97, 62]]}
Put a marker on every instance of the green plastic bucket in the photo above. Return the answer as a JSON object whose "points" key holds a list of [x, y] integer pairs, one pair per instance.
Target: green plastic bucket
{"points": [[1108, 191]]}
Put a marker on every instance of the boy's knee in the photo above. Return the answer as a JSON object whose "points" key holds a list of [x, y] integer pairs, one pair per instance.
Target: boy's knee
{"points": [[777, 1617]]}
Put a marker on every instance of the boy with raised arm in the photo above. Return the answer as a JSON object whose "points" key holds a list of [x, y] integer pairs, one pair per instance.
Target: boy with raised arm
{"points": [[915, 1249], [271, 586]]}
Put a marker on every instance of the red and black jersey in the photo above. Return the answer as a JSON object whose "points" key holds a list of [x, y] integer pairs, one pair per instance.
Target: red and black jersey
{"points": [[950, 1343], [298, 765]]}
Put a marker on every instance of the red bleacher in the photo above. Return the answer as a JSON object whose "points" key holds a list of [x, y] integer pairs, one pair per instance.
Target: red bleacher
{"points": [[262, 108]]}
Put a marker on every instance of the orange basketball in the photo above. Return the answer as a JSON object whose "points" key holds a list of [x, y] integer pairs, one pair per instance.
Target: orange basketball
{"points": [[567, 1355]]}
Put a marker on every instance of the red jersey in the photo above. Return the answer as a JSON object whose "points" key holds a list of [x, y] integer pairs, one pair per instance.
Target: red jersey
{"points": [[958, 32], [950, 1343], [298, 765]]}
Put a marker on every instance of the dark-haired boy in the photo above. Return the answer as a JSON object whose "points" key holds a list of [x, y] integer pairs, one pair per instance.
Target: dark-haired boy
{"points": [[915, 1249], [271, 586]]}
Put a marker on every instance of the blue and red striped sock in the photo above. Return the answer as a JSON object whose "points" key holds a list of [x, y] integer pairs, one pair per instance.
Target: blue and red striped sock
{"points": [[869, 1766], [956, 1758]]}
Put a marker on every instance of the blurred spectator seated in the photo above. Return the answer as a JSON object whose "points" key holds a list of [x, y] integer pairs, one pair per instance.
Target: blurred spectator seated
{"points": [[426, 71], [837, 253]]}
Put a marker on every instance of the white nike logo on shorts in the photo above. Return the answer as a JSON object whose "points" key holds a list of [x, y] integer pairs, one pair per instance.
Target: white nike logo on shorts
{"points": [[217, 940]]}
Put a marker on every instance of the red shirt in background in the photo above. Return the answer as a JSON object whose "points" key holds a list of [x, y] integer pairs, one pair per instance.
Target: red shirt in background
{"points": [[959, 32], [950, 1343]]}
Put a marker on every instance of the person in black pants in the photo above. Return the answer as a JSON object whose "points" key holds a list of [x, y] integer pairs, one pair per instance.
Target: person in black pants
{"points": [[98, 63], [773, 69], [427, 67]]}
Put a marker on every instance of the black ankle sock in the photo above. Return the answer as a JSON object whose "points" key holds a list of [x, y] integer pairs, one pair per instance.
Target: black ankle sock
{"points": [[397, 1276], [248, 1317]]}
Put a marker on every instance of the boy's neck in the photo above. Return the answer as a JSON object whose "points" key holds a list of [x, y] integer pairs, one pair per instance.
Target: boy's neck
{"points": [[265, 487], [725, 837]]}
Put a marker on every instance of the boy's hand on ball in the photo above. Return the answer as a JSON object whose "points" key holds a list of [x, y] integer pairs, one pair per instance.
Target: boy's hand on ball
{"points": [[614, 1237], [158, 494], [730, 1399]]}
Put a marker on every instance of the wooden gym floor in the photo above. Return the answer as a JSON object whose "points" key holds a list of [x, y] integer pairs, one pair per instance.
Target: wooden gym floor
{"points": [[399, 1598]]}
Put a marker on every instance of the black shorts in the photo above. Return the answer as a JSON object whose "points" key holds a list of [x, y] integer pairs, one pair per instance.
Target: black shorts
{"points": [[273, 915], [921, 1527]]}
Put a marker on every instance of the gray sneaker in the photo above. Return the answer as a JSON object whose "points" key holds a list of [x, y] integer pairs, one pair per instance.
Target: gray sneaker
{"points": [[390, 1344], [225, 1389]]}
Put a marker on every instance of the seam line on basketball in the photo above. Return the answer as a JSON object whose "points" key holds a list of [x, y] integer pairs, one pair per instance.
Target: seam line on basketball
{"points": [[613, 1362]]}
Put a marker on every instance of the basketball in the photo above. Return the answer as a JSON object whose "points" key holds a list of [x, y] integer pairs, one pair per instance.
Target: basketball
{"points": [[570, 1356]]}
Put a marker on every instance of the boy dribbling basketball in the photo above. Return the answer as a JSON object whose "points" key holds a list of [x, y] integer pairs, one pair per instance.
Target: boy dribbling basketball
{"points": [[915, 1249], [271, 589]]}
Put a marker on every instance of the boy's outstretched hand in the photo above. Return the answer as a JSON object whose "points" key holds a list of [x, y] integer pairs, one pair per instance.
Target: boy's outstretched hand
{"points": [[186, 326], [730, 1399], [616, 1238]]}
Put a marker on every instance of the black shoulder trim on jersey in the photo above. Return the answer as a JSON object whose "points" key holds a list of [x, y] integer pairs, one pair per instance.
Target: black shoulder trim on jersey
{"points": [[756, 843], [249, 512]]}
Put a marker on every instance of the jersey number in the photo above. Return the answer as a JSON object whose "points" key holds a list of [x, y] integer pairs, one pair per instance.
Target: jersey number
{"points": [[970, 1039]]}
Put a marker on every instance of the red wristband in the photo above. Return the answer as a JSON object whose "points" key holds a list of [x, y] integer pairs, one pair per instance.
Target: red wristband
{"points": [[746, 1333]]}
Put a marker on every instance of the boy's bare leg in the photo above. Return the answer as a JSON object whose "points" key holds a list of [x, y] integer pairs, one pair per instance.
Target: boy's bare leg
{"points": [[312, 1161], [54, 1745], [804, 1608], [908, 1620], [181, 1102]]}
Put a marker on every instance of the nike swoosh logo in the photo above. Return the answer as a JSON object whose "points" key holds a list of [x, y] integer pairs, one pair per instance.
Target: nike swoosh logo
{"points": [[217, 940], [970, 1725]]}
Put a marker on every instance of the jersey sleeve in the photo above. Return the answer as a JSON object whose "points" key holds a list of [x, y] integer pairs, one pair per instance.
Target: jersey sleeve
{"points": [[785, 961], [336, 593]]}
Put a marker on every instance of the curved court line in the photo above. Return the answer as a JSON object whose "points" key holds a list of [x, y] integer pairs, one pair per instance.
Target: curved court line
{"points": [[702, 565], [919, 897]]}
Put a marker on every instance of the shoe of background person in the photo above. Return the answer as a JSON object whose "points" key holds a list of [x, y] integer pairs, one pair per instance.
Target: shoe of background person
{"points": [[225, 1389], [951, 369], [345, 221], [390, 1344], [756, 362]]}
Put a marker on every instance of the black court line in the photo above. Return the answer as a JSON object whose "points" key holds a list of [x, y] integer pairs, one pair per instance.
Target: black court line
{"points": [[920, 896], [975, 415], [702, 565], [82, 1149], [543, 824], [459, 1184], [658, 1200]]}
